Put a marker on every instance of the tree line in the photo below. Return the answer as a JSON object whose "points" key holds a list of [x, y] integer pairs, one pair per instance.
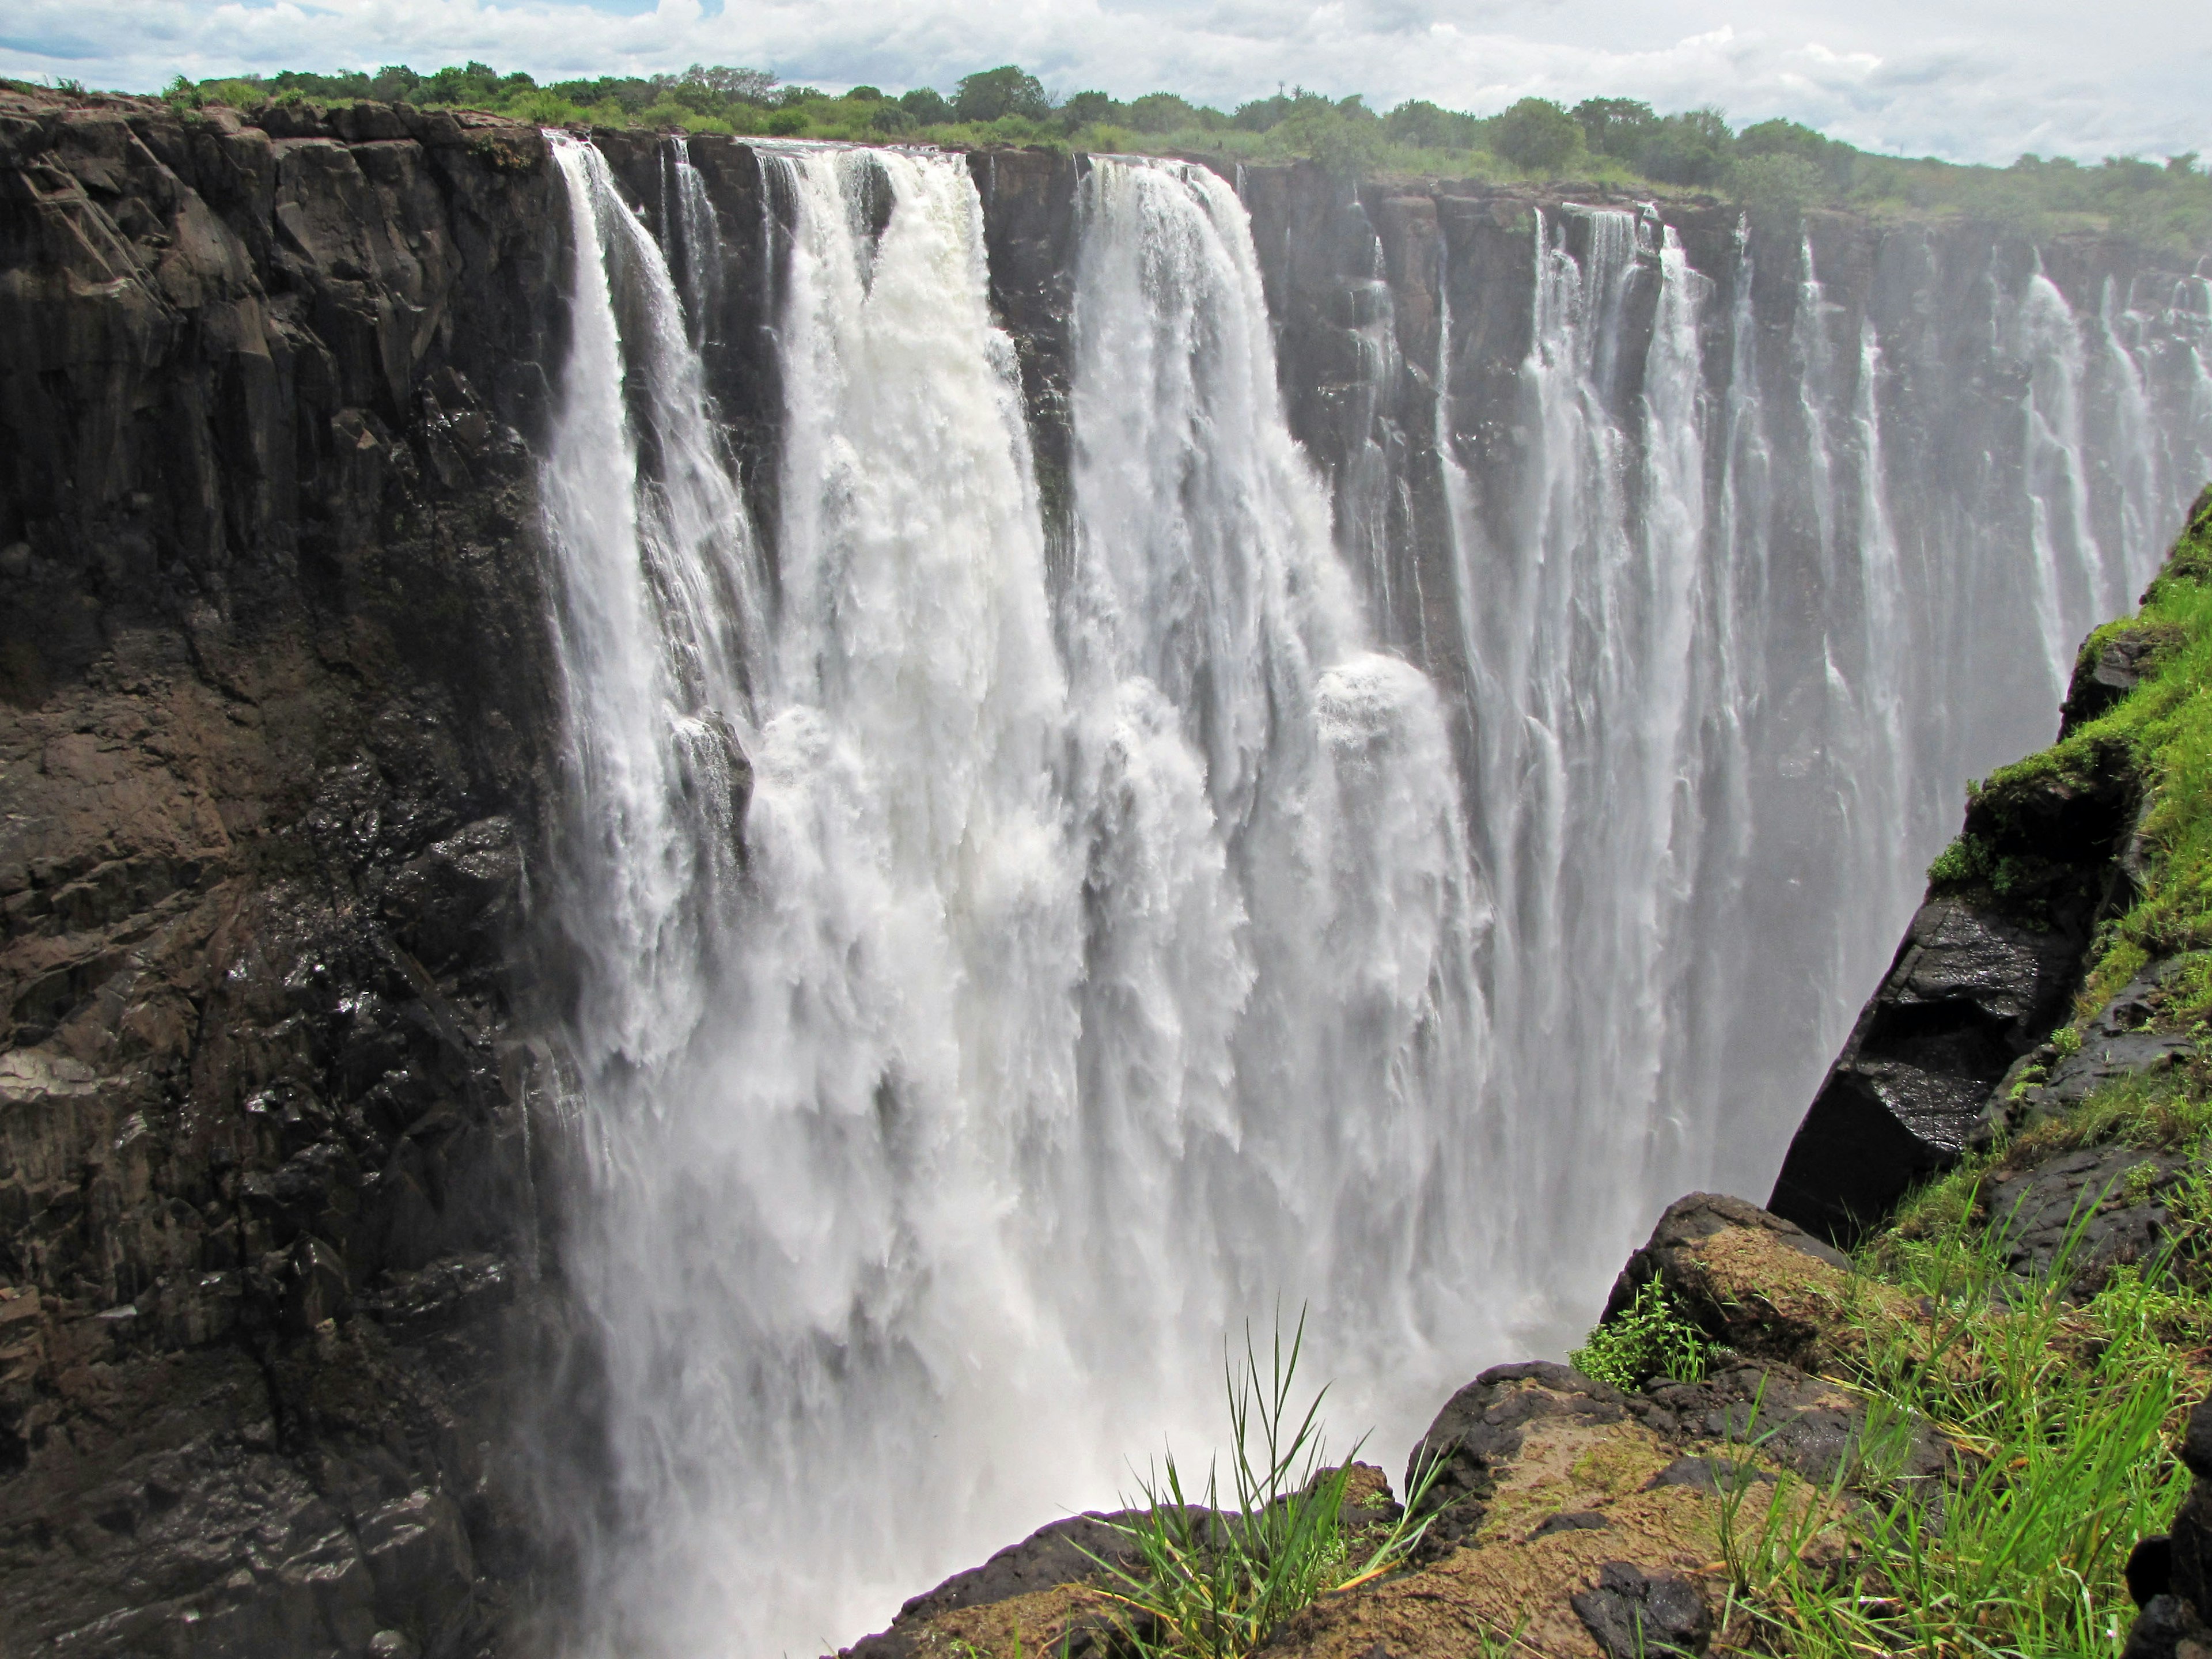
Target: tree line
{"points": [[1774, 166]]}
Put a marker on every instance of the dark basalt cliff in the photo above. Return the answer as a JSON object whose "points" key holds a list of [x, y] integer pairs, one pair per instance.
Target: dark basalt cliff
{"points": [[273, 730], [279, 1151]]}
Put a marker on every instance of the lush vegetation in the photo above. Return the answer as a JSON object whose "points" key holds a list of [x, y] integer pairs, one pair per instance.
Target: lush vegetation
{"points": [[2062, 1393], [2059, 1414], [2161, 733], [1777, 166], [1648, 1339]]}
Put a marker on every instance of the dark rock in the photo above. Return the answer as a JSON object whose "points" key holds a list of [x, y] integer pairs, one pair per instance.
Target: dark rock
{"points": [[1709, 1476], [2150, 1568], [2119, 1039], [1971, 990], [2197, 1441], [1633, 1613], [274, 714], [2106, 671], [1571, 1521], [1805, 1423], [2167, 1628], [2104, 1205], [1697, 1216], [1063, 1553], [1478, 1432]]}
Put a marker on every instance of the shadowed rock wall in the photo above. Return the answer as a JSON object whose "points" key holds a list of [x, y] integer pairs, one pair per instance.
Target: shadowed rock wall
{"points": [[273, 735]]}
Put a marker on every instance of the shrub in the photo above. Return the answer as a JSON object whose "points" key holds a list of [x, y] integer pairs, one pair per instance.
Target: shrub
{"points": [[1649, 1339], [1537, 135], [787, 122], [892, 119]]}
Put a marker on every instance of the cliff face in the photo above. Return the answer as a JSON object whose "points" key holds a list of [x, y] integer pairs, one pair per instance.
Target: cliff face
{"points": [[273, 734], [277, 757]]}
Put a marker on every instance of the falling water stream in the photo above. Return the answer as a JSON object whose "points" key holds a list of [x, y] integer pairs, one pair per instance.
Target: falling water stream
{"points": [[1000, 977]]}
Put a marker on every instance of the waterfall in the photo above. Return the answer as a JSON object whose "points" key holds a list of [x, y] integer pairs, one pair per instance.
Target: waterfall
{"points": [[998, 968], [1096, 969]]}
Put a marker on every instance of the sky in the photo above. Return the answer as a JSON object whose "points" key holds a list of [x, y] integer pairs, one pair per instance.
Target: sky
{"points": [[1965, 80]]}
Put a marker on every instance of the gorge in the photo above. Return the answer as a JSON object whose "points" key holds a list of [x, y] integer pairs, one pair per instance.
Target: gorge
{"points": [[713, 845]]}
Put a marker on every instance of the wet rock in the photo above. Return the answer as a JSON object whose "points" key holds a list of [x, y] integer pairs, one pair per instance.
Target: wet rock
{"points": [[2109, 667], [2167, 1628], [1634, 1614], [1969, 992], [274, 709], [2100, 1206], [1572, 1521], [1751, 1280], [1803, 1423], [2120, 1039]]}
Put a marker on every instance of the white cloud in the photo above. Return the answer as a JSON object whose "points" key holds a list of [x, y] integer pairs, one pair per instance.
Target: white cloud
{"points": [[1972, 80]]}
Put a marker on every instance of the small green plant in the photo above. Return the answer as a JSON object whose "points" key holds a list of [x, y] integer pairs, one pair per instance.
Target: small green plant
{"points": [[1214, 1582], [1965, 860], [1649, 1339], [2068, 1041]]}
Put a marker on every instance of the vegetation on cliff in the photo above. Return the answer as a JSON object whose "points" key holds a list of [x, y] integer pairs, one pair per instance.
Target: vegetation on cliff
{"points": [[2057, 1284], [1777, 166]]}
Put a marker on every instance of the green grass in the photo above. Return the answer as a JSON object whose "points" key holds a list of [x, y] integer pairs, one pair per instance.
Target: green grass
{"points": [[2061, 1417], [1215, 1579]]}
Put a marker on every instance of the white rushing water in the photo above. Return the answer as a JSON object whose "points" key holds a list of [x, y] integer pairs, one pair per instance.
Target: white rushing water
{"points": [[1001, 971], [1061, 1009]]}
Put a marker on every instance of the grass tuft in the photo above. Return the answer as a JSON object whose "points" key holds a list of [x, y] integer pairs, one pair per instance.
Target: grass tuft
{"points": [[1215, 1581]]}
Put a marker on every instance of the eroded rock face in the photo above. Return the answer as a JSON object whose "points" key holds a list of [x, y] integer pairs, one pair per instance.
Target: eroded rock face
{"points": [[1972, 991], [273, 730]]}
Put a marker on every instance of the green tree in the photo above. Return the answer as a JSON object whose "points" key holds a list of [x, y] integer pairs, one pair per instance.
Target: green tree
{"points": [[1833, 160], [1690, 149], [988, 95], [1083, 109], [1161, 112], [1615, 126], [1537, 135], [926, 104], [1426, 126], [1777, 187], [1344, 138], [749, 86]]}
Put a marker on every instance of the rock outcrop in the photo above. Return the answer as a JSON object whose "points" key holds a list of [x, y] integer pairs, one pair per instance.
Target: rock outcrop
{"points": [[1989, 968]]}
